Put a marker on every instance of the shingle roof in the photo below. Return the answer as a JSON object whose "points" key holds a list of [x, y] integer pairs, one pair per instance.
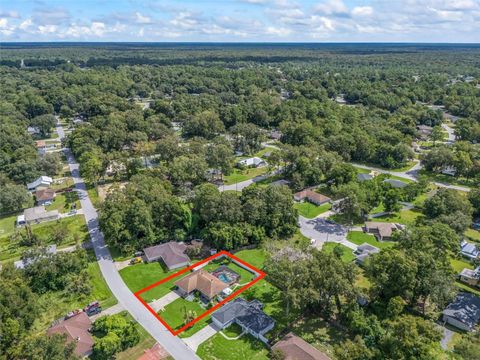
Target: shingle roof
{"points": [[172, 253], [295, 348], [44, 194], [248, 314], [202, 281], [312, 196], [76, 329], [384, 229], [465, 308], [38, 213]]}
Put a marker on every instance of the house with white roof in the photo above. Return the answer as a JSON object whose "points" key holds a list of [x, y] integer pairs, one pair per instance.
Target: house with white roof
{"points": [[469, 250], [253, 162], [41, 181]]}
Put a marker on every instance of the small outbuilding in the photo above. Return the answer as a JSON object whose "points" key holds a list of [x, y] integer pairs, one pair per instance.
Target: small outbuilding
{"points": [[364, 251], [463, 312]]}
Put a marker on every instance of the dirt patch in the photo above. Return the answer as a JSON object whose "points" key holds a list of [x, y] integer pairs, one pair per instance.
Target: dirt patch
{"points": [[104, 189]]}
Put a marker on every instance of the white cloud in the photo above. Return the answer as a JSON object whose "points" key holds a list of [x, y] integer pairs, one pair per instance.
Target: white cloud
{"points": [[330, 7], [3, 23], [271, 30], [47, 29], [362, 11], [26, 24], [141, 19]]}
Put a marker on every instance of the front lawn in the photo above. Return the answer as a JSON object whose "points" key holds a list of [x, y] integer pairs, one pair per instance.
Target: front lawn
{"points": [[347, 255], [459, 264], [247, 347], [63, 202], [406, 217], [7, 224], [473, 235], [241, 175], [255, 257], [140, 276], [174, 314], [359, 237], [309, 210]]}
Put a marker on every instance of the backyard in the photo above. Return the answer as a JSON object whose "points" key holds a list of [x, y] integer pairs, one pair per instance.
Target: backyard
{"points": [[359, 237], [309, 210], [246, 347], [347, 254], [241, 175], [63, 202]]}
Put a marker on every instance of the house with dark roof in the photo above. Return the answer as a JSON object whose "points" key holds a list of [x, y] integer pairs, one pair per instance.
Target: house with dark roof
{"points": [[364, 251], [202, 281], [44, 196], [293, 347], [76, 329], [381, 230], [172, 254], [463, 312], [311, 196], [248, 315]]}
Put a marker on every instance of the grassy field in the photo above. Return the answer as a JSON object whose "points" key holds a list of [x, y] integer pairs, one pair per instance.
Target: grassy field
{"points": [[309, 210], [140, 276], [241, 175], [7, 224], [446, 179], [254, 257], [473, 235], [359, 237], [247, 347], [406, 217], [76, 230], [459, 264], [347, 255], [63, 202], [174, 312]]}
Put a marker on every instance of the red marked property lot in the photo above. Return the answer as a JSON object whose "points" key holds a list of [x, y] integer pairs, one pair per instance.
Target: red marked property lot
{"points": [[222, 254]]}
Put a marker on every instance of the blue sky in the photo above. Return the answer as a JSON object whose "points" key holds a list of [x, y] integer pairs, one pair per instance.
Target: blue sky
{"points": [[241, 20]]}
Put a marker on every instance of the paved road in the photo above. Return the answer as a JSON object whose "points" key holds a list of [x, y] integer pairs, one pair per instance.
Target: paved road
{"points": [[174, 345]]}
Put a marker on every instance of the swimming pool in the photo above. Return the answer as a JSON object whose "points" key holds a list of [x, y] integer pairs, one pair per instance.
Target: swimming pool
{"points": [[224, 277]]}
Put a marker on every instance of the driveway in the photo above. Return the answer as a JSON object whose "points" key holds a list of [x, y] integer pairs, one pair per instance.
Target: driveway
{"points": [[451, 133], [112, 310], [323, 231], [175, 346], [159, 304], [194, 341]]}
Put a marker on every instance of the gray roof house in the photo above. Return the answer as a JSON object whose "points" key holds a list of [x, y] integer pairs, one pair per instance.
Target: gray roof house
{"points": [[463, 312], [39, 214], [248, 315], [364, 177], [171, 253], [364, 251], [469, 250]]}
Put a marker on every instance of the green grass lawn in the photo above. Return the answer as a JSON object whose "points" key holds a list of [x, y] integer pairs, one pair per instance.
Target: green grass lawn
{"points": [[67, 183], [241, 175], [7, 224], [362, 281], [406, 217], [76, 230], [347, 255], [359, 237], [255, 257], [63, 202], [459, 264], [247, 347], [174, 312], [140, 276], [93, 195], [100, 289], [309, 210], [446, 179], [467, 288], [473, 235]]}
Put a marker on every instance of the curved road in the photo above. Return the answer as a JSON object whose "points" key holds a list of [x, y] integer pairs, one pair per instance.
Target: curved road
{"points": [[174, 345]]}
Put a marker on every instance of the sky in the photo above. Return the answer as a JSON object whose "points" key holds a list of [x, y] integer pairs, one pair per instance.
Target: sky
{"points": [[454, 21]]}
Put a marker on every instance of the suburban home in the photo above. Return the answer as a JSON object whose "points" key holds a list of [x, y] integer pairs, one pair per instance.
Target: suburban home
{"points": [[470, 277], [364, 177], [33, 130], [156, 352], [21, 264], [41, 146], [41, 181], [248, 315], [76, 329], [202, 281], [293, 347], [254, 162], [281, 182], [463, 312], [450, 171], [397, 184], [44, 196], [424, 131], [275, 135], [311, 196], [364, 251], [381, 230], [469, 250], [37, 215], [172, 254]]}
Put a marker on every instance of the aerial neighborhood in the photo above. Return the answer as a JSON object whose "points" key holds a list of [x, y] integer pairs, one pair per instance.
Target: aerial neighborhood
{"points": [[251, 202]]}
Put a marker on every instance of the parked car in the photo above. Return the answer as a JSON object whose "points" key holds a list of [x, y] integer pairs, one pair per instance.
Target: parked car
{"points": [[93, 311], [136, 260]]}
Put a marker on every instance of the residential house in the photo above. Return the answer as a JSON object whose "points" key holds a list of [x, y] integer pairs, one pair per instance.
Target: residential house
{"points": [[364, 251], [254, 162], [172, 254], [281, 182], [44, 196], [156, 352], [202, 281], [311, 196], [424, 131], [41, 181], [381, 230], [470, 277], [449, 170], [469, 250], [21, 264], [248, 315], [41, 147], [37, 215], [293, 347], [33, 130], [275, 135], [364, 177], [397, 184], [76, 329], [463, 312]]}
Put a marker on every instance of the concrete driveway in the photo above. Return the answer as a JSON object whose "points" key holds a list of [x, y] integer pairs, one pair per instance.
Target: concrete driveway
{"points": [[159, 304], [322, 230], [194, 341]]}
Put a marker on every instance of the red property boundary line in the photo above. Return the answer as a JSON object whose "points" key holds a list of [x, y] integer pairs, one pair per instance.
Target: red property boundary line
{"points": [[260, 276]]}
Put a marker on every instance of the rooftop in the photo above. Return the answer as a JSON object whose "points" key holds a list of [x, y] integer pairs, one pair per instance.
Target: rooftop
{"points": [[76, 329], [38, 213], [294, 348], [172, 253], [202, 281], [465, 308]]}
